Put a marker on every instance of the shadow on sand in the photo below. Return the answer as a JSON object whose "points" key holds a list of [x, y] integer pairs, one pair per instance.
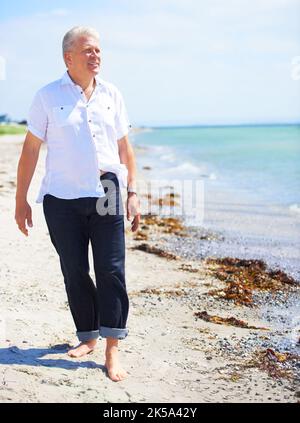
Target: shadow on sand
{"points": [[34, 357]]}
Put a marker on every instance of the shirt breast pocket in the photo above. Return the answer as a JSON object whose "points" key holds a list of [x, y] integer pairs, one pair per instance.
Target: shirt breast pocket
{"points": [[62, 115], [108, 115]]}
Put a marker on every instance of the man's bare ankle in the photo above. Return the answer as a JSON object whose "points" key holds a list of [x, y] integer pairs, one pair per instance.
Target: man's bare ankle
{"points": [[90, 342]]}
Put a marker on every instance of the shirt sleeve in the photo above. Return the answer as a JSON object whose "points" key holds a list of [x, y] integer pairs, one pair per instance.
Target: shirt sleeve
{"points": [[37, 118], [121, 119]]}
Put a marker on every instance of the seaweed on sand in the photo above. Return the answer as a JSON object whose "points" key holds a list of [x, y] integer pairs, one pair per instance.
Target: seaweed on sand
{"points": [[230, 321], [242, 277]]}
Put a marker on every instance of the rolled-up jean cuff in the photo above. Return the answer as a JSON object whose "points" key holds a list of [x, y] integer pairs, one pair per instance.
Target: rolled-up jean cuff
{"points": [[116, 333], [86, 336]]}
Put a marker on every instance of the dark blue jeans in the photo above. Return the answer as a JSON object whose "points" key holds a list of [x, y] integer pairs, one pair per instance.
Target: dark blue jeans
{"points": [[101, 309]]}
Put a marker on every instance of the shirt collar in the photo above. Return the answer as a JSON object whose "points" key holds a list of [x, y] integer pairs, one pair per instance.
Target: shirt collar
{"points": [[65, 80]]}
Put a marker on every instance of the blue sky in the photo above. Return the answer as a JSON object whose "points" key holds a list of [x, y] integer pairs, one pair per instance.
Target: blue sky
{"points": [[177, 62]]}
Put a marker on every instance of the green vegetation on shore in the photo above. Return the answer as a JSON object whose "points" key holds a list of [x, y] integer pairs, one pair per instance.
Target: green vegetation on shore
{"points": [[12, 129]]}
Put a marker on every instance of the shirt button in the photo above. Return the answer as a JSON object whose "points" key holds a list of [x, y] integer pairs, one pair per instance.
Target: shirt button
{"points": [[90, 121]]}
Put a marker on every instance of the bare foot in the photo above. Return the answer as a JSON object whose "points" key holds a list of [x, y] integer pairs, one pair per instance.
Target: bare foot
{"points": [[83, 348], [114, 370]]}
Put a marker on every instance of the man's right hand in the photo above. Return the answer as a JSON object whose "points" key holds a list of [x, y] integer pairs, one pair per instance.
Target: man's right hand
{"points": [[23, 216]]}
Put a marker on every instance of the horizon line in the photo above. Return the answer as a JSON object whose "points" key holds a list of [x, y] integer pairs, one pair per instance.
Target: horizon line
{"points": [[212, 125]]}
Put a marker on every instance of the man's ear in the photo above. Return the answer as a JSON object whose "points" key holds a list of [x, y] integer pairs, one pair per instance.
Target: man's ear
{"points": [[68, 58]]}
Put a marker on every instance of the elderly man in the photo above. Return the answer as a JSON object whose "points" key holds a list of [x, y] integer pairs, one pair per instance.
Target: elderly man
{"points": [[83, 121]]}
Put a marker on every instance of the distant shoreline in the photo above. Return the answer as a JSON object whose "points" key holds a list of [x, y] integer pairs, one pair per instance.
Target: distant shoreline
{"points": [[14, 129]]}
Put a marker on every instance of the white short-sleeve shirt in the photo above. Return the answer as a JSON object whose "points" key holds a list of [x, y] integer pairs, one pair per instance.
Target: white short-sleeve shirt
{"points": [[81, 136]]}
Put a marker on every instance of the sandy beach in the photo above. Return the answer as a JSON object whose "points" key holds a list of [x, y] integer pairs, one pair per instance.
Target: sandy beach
{"points": [[180, 347]]}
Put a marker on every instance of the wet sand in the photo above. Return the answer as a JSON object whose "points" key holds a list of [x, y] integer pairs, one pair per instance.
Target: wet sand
{"points": [[171, 354]]}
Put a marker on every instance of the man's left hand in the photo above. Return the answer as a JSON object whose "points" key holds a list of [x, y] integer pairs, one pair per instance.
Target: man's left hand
{"points": [[133, 210]]}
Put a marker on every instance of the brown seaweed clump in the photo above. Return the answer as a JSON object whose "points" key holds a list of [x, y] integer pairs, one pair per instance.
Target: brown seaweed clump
{"points": [[154, 250], [141, 235], [152, 223], [169, 225], [242, 277], [166, 200], [273, 362], [188, 268], [229, 321]]}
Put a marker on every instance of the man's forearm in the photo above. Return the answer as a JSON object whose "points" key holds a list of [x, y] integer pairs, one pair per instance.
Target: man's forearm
{"points": [[26, 168], [128, 158], [131, 166]]}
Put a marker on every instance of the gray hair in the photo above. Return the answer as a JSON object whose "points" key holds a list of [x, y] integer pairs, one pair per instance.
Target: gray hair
{"points": [[71, 36]]}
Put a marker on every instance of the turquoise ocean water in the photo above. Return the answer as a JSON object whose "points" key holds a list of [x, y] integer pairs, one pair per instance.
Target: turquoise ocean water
{"points": [[263, 161], [251, 180]]}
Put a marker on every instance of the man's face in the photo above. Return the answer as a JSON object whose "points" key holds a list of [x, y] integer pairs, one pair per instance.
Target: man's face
{"points": [[84, 58]]}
